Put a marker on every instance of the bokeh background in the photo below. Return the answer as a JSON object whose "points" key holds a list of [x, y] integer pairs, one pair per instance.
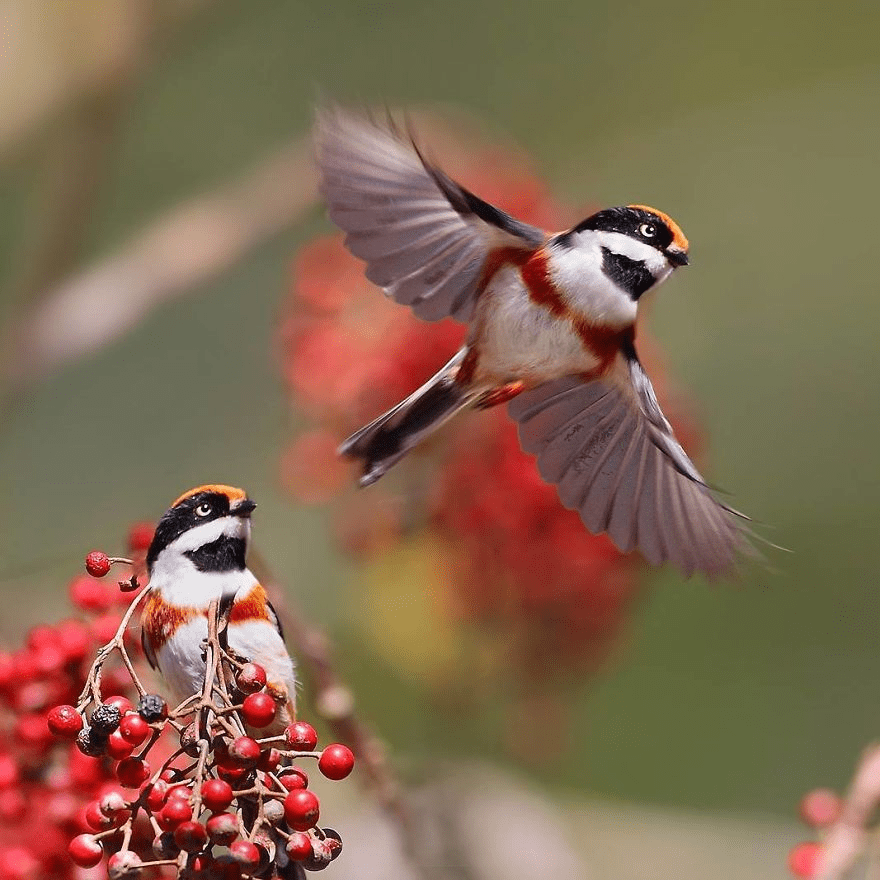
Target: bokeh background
{"points": [[754, 124]]}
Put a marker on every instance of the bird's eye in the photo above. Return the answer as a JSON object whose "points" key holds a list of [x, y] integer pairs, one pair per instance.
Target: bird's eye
{"points": [[203, 509], [648, 230]]}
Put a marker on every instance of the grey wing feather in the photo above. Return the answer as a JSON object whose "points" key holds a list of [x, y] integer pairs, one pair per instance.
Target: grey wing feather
{"points": [[425, 238], [613, 457]]}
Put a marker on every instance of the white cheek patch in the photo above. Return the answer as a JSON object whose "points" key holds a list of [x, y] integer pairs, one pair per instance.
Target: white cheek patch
{"points": [[224, 526], [630, 247], [577, 273]]}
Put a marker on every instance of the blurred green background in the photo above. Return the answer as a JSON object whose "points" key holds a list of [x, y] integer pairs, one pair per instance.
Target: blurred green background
{"points": [[754, 124]]}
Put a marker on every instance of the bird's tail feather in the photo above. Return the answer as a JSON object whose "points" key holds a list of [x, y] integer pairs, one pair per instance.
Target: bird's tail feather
{"points": [[386, 440]]}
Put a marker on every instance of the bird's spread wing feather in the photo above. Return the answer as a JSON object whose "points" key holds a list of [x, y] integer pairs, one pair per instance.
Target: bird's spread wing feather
{"points": [[613, 457], [424, 237]]}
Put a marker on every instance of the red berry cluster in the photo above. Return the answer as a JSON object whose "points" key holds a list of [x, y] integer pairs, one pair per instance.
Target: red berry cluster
{"points": [[47, 783], [243, 795], [520, 562], [819, 809], [129, 787]]}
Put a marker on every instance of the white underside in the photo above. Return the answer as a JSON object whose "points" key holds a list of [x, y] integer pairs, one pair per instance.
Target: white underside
{"points": [[180, 659], [182, 666], [520, 339]]}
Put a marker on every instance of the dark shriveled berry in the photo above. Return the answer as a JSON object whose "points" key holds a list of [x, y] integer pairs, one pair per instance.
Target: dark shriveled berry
{"points": [[152, 708], [91, 743], [105, 719]]}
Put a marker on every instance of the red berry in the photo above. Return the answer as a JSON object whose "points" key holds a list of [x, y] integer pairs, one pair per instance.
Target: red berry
{"points": [[155, 794], [244, 752], [134, 730], [65, 722], [132, 772], [216, 794], [321, 856], [821, 807], [232, 774], [97, 563], [118, 747], [269, 760], [190, 836], [85, 851], [299, 846], [123, 865], [140, 536], [113, 803], [301, 809], [96, 819], [336, 761], [223, 828], [294, 778], [301, 736], [803, 860], [175, 811], [122, 703], [251, 678], [246, 854], [258, 709]]}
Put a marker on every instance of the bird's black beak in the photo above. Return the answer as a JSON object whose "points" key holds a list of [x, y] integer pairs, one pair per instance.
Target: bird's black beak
{"points": [[244, 508], [677, 257]]}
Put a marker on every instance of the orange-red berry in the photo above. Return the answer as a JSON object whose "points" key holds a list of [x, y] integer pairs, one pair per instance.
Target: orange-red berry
{"points": [[216, 794], [336, 761], [64, 722], [301, 809], [85, 851], [299, 846], [259, 709], [301, 736], [97, 563], [803, 860]]}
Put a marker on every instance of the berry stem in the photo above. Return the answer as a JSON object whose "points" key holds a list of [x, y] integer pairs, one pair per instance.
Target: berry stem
{"points": [[92, 690]]}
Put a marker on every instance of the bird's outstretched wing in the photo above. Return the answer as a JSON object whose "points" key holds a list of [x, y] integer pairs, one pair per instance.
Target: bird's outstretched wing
{"points": [[425, 238], [612, 455]]}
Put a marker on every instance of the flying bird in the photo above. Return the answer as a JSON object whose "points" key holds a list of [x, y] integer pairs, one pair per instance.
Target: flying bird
{"points": [[551, 332]]}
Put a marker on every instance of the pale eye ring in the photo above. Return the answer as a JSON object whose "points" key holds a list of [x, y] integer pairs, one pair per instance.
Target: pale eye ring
{"points": [[203, 509], [648, 230]]}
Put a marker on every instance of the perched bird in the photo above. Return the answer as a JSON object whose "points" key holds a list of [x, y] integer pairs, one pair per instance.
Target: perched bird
{"points": [[552, 327], [198, 555]]}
